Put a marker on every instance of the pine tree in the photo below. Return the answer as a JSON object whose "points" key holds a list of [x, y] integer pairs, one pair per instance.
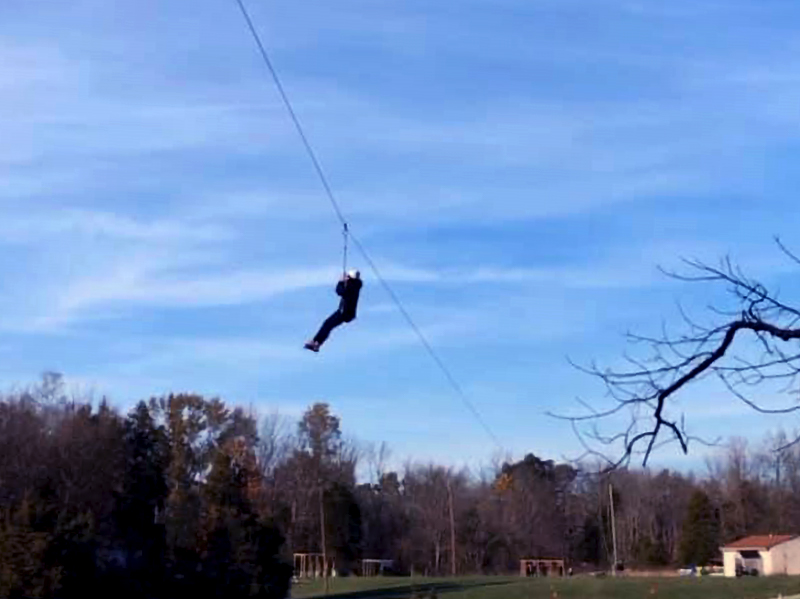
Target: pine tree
{"points": [[239, 552], [343, 525], [700, 534], [141, 501]]}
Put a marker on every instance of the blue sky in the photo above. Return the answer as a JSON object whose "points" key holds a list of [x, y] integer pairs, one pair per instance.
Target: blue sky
{"points": [[517, 168]]}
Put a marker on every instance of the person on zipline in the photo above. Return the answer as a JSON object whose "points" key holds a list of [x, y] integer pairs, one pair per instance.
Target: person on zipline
{"points": [[348, 288]]}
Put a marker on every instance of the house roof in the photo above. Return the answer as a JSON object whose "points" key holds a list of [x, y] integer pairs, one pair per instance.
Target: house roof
{"points": [[759, 542]]}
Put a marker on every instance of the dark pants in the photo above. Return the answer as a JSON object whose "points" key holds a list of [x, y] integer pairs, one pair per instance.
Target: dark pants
{"points": [[333, 321]]}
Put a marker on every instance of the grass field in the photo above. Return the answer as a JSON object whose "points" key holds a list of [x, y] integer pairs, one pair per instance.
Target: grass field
{"points": [[499, 587]]}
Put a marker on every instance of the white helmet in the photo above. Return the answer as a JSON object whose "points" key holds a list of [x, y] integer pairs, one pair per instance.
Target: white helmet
{"points": [[354, 274]]}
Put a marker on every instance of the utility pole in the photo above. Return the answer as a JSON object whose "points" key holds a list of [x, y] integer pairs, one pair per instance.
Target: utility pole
{"points": [[452, 528], [324, 543], [613, 529]]}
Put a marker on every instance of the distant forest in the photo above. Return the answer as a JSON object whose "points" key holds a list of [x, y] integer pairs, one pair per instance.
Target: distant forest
{"points": [[184, 494]]}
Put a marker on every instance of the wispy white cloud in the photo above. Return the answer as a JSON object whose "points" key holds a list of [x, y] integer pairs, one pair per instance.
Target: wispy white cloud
{"points": [[145, 283], [568, 158], [29, 66], [169, 273], [34, 227], [65, 108]]}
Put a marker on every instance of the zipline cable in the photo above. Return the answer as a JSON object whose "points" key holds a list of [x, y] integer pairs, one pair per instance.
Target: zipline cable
{"points": [[348, 233], [295, 120], [345, 235]]}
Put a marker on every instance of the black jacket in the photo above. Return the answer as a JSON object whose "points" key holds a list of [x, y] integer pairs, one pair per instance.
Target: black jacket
{"points": [[349, 290]]}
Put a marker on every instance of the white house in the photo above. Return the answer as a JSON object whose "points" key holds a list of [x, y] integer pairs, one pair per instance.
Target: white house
{"points": [[768, 554]]}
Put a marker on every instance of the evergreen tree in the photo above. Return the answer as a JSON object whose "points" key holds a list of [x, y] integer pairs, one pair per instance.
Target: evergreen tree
{"points": [[342, 525], [240, 552], [700, 534], [140, 503]]}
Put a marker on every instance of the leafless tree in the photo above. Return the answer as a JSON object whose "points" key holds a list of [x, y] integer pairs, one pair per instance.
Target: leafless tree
{"points": [[275, 445], [274, 442], [376, 457], [749, 344]]}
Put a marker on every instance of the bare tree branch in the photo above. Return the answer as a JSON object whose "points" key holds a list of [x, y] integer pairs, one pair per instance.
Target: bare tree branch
{"points": [[754, 345]]}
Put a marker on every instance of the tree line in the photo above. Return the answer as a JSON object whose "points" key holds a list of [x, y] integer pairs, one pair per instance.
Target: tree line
{"points": [[186, 494]]}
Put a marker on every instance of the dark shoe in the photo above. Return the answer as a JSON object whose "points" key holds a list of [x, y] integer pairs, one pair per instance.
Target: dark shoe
{"points": [[312, 345]]}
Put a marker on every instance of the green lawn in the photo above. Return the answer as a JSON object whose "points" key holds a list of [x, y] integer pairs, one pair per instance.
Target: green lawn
{"points": [[502, 587]]}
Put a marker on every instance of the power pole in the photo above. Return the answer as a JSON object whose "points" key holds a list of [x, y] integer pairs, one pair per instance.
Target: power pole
{"points": [[452, 528], [324, 543], [613, 529]]}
